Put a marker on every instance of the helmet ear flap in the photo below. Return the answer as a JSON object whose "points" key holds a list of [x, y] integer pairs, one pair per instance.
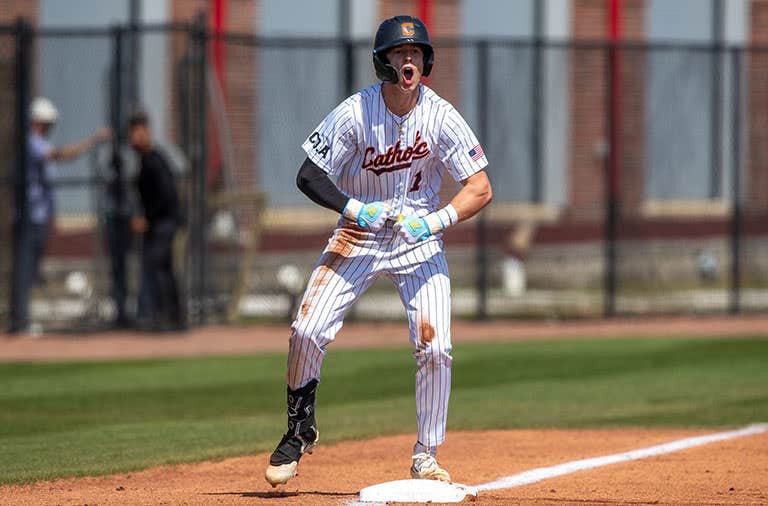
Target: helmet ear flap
{"points": [[384, 70], [429, 60]]}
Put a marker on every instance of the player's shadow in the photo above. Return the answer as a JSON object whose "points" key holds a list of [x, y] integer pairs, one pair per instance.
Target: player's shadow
{"points": [[277, 494]]}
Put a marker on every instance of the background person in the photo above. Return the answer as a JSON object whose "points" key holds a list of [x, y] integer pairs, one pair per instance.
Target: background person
{"points": [[156, 187], [33, 230]]}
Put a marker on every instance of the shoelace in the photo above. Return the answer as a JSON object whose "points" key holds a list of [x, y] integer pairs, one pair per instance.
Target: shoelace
{"points": [[424, 461]]}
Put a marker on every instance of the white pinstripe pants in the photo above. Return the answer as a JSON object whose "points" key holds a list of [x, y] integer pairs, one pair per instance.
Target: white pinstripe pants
{"points": [[350, 263]]}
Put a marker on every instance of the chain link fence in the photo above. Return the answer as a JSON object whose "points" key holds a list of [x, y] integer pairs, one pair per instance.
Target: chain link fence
{"points": [[7, 161], [627, 179]]}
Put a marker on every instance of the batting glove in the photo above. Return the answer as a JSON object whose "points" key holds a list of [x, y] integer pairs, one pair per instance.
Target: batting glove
{"points": [[415, 229], [371, 216]]}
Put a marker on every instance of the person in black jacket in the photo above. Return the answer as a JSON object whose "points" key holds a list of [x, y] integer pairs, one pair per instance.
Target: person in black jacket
{"points": [[159, 198]]}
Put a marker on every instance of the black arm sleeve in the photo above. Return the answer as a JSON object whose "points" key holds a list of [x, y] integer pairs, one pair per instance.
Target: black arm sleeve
{"points": [[316, 185]]}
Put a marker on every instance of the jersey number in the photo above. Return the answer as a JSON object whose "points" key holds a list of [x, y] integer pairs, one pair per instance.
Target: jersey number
{"points": [[316, 141], [416, 183]]}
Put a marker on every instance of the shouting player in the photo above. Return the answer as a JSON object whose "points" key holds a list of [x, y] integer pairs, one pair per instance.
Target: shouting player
{"points": [[388, 146]]}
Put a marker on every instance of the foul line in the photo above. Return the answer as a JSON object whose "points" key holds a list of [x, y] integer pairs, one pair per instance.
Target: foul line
{"points": [[543, 473]]}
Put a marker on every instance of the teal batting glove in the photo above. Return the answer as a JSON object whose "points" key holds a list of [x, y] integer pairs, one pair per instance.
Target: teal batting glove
{"points": [[413, 229], [371, 216]]}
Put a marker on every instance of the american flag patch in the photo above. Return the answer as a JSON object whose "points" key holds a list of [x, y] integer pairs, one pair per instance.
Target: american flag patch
{"points": [[476, 153]]}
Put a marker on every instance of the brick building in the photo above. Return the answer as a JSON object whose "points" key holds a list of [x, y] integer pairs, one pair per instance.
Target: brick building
{"points": [[574, 187], [548, 160]]}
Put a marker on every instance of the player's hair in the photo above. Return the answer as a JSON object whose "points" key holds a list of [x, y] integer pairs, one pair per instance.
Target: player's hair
{"points": [[138, 118]]}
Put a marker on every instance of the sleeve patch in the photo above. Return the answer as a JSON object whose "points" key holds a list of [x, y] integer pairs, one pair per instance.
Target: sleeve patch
{"points": [[476, 153]]}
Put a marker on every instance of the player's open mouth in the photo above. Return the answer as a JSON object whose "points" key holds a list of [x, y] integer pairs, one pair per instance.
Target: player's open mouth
{"points": [[408, 75]]}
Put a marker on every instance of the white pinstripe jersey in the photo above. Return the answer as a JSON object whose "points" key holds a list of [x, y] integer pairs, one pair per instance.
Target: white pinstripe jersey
{"points": [[378, 156]]}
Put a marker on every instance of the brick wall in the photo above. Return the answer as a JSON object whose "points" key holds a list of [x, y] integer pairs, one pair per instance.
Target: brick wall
{"points": [[9, 11], [757, 109], [240, 66], [182, 11], [12, 9], [589, 91], [633, 82], [239, 91], [588, 123], [186, 10]]}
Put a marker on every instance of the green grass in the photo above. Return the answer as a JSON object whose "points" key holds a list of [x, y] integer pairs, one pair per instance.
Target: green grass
{"points": [[94, 418]]}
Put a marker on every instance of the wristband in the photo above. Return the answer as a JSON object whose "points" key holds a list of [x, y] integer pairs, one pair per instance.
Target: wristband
{"points": [[442, 219], [352, 209], [448, 216]]}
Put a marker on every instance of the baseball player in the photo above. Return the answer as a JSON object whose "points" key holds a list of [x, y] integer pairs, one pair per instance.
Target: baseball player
{"points": [[388, 146]]}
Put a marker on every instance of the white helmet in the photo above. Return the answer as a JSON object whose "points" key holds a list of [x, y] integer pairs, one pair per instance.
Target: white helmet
{"points": [[42, 110]]}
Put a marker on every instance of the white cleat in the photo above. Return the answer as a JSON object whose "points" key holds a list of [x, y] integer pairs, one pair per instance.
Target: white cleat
{"points": [[290, 448], [425, 467], [279, 475]]}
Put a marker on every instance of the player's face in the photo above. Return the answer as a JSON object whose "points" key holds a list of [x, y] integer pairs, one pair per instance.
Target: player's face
{"points": [[42, 128], [139, 137], [408, 60]]}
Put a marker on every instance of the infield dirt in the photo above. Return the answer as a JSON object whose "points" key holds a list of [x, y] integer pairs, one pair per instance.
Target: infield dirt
{"points": [[729, 472]]}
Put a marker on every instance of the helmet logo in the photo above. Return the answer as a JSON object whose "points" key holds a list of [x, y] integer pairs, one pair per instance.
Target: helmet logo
{"points": [[407, 29]]}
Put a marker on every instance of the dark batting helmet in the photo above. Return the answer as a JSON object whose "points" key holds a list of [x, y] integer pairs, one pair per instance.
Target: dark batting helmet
{"points": [[395, 32]]}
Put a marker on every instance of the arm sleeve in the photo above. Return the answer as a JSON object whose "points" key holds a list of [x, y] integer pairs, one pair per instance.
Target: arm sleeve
{"points": [[316, 185], [333, 143], [459, 149]]}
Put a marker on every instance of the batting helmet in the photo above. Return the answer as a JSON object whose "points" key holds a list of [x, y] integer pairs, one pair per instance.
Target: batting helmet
{"points": [[395, 32]]}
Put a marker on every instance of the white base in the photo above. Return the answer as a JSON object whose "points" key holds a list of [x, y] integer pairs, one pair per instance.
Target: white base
{"points": [[416, 491]]}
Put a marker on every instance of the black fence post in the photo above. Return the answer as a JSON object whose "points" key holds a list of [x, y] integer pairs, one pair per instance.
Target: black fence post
{"points": [[134, 53], [537, 93], [481, 224], [21, 281], [347, 57], [200, 142], [716, 115], [116, 116], [736, 214], [611, 180], [189, 124], [188, 284]]}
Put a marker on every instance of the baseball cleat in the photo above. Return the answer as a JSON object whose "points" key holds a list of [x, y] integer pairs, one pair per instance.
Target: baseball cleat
{"points": [[285, 459], [425, 467], [279, 475]]}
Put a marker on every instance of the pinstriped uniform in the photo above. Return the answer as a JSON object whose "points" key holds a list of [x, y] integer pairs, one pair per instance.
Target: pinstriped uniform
{"points": [[377, 156]]}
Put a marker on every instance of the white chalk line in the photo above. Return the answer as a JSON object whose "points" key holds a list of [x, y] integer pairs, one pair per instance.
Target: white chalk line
{"points": [[544, 473]]}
